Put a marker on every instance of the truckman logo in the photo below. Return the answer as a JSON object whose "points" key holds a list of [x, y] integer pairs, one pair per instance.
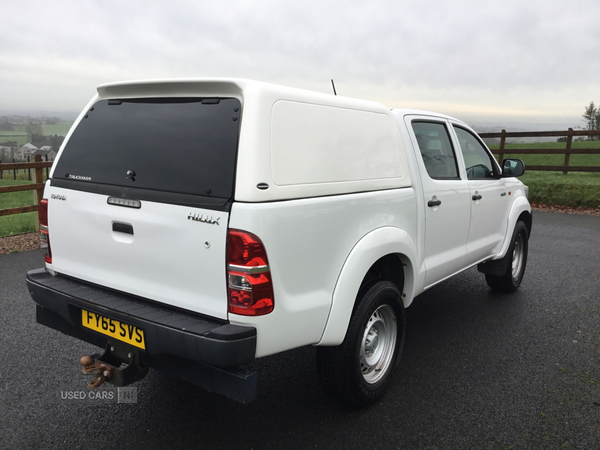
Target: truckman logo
{"points": [[204, 218], [58, 197], [78, 177]]}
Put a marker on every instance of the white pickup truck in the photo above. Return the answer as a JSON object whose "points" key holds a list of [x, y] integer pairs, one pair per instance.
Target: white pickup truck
{"points": [[195, 225]]}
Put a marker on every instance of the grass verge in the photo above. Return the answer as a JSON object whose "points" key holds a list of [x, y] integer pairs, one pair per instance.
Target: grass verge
{"points": [[16, 223], [576, 189]]}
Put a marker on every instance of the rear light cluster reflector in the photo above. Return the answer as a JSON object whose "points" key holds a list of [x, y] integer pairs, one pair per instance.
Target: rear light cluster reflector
{"points": [[248, 275], [44, 235]]}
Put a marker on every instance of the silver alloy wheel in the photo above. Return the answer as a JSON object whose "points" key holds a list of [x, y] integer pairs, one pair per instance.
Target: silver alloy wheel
{"points": [[378, 344], [518, 256]]}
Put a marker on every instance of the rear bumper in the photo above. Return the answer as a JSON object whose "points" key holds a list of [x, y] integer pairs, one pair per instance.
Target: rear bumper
{"points": [[176, 341]]}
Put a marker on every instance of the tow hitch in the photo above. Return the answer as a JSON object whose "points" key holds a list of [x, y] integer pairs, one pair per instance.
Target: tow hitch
{"points": [[117, 365]]}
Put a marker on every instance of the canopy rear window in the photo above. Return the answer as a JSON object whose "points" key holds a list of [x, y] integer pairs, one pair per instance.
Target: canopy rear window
{"points": [[177, 145]]}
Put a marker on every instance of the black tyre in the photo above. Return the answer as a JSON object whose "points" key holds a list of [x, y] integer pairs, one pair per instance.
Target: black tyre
{"points": [[516, 263], [359, 370]]}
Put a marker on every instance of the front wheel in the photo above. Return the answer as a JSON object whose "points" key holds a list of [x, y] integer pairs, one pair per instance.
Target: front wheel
{"points": [[359, 370], [517, 260]]}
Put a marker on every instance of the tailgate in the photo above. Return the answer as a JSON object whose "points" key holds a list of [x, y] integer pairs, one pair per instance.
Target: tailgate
{"points": [[168, 253], [139, 197]]}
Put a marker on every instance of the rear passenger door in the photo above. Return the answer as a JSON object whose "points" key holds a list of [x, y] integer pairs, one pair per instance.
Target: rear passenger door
{"points": [[488, 196], [446, 198]]}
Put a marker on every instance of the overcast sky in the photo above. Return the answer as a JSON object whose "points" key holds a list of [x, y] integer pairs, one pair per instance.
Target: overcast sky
{"points": [[478, 60]]}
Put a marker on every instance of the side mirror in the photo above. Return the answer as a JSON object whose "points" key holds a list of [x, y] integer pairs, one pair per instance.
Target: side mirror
{"points": [[513, 168]]}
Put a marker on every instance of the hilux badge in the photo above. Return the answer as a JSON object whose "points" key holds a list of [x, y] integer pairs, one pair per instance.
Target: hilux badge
{"points": [[204, 218]]}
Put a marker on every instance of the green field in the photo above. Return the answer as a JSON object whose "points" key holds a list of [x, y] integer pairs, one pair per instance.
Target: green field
{"points": [[576, 189], [17, 223], [60, 128], [20, 135]]}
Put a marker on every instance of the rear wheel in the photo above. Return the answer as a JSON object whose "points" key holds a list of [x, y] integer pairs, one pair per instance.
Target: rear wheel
{"points": [[517, 260], [359, 370]]}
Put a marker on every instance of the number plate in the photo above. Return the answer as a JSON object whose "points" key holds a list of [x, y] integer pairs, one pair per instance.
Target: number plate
{"points": [[130, 334]]}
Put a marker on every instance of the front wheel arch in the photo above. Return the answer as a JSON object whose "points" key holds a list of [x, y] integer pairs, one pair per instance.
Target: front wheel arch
{"points": [[508, 276]]}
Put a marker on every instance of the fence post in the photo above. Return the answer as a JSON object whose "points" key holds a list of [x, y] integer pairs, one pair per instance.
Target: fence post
{"points": [[38, 194], [567, 154], [1, 169], [501, 149], [29, 169], [14, 171]]}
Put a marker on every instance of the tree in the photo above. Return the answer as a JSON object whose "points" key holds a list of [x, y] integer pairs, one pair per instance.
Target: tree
{"points": [[6, 126], [592, 119], [34, 131], [56, 141]]}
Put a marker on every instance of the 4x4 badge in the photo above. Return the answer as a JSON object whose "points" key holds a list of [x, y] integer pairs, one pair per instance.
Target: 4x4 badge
{"points": [[203, 218]]}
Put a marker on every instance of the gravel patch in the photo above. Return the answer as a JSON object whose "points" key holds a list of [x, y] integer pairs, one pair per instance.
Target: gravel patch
{"points": [[19, 243], [566, 209]]}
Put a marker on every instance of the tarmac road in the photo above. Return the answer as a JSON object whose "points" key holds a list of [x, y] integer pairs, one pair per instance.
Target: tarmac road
{"points": [[479, 370]]}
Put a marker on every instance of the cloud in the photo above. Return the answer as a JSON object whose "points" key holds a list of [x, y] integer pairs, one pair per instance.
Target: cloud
{"points": [[534, 57]]}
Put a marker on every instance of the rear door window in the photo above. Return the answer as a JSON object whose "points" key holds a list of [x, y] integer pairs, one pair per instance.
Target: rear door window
{"points": [[174, 145], [436, 149]]}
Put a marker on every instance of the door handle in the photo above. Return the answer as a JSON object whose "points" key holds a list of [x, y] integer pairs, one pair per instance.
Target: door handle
{"points": [[121, 227], [432, 203], [476, 197]]}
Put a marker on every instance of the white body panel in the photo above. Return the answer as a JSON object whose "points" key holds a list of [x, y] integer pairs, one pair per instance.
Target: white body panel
{"points": [[272, 113], [307, 246], [323, 144], [165, 260], [488, 218]]}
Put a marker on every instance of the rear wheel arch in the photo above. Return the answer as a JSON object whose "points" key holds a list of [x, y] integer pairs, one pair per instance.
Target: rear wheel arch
{"points": [[387, 268], [386, 254], [359, 370]]}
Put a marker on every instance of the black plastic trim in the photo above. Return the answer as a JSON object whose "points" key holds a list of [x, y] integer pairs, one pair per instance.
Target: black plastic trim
{"points": [[173, 198], [167, 332], [121, 227]]}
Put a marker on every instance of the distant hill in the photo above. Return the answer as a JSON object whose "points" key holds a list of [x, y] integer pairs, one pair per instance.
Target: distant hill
{"points": [[527, 140], [68, 116]]}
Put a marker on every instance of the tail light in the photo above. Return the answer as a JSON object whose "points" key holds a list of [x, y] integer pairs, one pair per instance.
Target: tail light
{"points": [[44, 236], [248, 275]]}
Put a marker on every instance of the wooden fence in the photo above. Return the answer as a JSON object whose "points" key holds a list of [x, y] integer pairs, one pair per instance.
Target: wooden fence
{"points": [[15, 169], [567, 151], [37, 186]]}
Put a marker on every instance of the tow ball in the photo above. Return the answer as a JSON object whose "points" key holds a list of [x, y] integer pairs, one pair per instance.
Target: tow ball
{"points": [[117, 365]]}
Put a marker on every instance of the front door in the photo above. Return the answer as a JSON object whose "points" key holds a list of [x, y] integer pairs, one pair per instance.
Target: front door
{"points": [[490, 198]]}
